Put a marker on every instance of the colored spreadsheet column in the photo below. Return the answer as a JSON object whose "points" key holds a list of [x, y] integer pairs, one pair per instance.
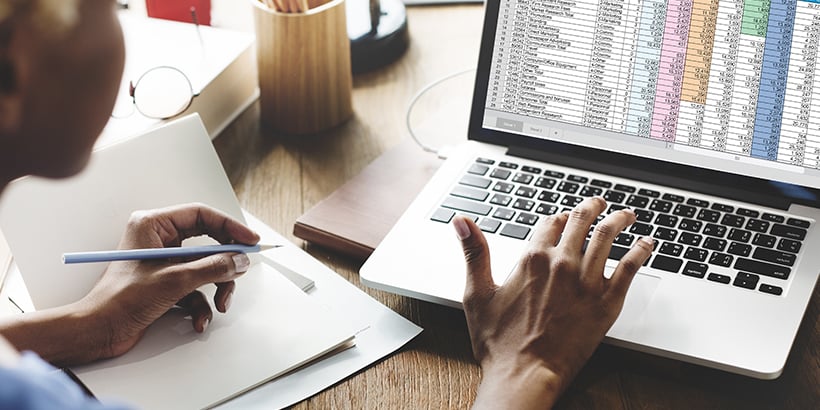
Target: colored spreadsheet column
{"points": [[670, 72], [645, 72], [773, 79]]}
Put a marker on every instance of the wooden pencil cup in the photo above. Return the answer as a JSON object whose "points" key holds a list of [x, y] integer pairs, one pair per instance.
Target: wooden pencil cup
{"points": [[305, 79]]}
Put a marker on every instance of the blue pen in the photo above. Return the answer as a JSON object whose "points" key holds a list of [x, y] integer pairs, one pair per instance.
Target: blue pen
{"points": [[160, 253]]}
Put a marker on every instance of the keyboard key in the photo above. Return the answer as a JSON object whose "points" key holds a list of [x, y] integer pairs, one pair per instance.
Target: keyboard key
{"points": [[478, 182], [746, 280], [690, 225], [732, 220], [788, 245], [554, 174], [763, 268], [502, 200], [577, 178], [470, 193], [708, 215], [503, 213], [601, 184], [697, 202], [624, 239], [532, 170], [545, 209], [499, 173], [769, 255], [644, 215], [721, 259], [637, 201], [798, 223], [672, 197], [714, 230], [522, 178], [722, 207], [526, 191], [671, 248], [614, 196], [526, 219], [489, 225], [740, 235], [696, 254], [641, 229], [688, 238], [443, 215], [665, 234], [509, 165], [624, 188], [571, 201], [757, 225], [473, 217], [648, 192], [614, 208], [523, 204], [747, 212], [478, 169], [715, 244], [666, 220], [485, 161], [716, 277], [546, 183], [515, 231], [774, 290], [568, 187], [590, 191], [660, 206], [465, 205], [773, 218], [666, 263], [694, 269], [548, 196], [740, 249], [764, 240], [503, 187], [790, 232], [685, 211]]}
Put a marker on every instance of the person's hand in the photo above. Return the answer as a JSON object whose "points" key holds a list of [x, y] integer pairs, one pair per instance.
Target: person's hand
{"points": [[532, 335], [131, 295]]}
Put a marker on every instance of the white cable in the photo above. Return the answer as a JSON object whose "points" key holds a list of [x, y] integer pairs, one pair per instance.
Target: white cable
{"points": [[426, 148]]}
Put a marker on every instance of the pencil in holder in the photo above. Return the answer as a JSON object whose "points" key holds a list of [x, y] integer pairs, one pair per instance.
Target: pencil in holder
{"points": [[305, 79]]}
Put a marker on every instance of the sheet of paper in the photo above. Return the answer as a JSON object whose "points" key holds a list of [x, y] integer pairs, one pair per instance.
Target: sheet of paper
{"points": [[271, 328], [385, 330]]}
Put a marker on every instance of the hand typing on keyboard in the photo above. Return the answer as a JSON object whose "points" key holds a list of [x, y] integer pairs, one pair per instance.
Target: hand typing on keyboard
{"points": [[532, 335]]}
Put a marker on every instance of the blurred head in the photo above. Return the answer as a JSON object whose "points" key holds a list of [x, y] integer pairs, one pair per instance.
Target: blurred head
{"points": [[60, 68]]}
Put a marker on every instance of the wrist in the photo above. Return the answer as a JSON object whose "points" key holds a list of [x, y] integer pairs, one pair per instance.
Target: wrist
{"points": [[518, 384]]}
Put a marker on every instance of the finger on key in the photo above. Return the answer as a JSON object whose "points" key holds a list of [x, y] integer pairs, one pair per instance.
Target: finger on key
{"points": [[548, 231], [600, 244], [580, 219]]}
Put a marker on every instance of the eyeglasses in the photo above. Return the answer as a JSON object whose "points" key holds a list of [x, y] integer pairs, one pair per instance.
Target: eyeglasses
{"points": [[161, 93]]}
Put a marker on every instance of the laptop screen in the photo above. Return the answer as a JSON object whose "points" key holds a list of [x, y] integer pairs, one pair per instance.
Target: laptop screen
{"points": [[727, 85]]}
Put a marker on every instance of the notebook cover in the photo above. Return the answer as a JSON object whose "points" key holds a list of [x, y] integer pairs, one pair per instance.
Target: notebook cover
{"points": [[356, 217]]}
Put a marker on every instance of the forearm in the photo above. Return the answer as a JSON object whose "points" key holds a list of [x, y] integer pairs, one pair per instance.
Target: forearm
{"points": [[62, 336], [510, 386]]}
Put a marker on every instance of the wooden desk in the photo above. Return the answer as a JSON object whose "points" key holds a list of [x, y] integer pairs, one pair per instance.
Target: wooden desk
{"points": [[278, 179]]}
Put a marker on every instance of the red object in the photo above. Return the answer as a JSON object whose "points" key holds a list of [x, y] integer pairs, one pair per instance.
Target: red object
{"points": [[180, 10]]}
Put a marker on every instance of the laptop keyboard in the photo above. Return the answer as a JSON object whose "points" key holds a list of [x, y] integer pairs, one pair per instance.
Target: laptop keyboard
{"points": [[723, 243]]}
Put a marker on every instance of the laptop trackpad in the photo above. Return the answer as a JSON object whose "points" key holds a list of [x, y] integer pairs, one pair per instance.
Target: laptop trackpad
{"points": [[640, 292]]}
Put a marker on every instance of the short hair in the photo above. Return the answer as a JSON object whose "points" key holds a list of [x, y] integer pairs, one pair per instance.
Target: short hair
{"points": [[48, 16]]}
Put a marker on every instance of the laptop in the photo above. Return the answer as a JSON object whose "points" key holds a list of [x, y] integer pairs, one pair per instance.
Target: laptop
{"points": [[700, 119]]}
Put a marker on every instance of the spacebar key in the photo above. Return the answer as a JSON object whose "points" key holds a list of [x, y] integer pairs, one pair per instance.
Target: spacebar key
{"points": [[467, 206], [762, 268]]}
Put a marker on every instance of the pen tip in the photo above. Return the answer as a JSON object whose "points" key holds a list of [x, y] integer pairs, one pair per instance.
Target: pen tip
{"points": [[266, 247]]}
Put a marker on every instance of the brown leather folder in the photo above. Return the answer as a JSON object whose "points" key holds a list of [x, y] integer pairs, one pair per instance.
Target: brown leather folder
{"points": [[358, 215]]}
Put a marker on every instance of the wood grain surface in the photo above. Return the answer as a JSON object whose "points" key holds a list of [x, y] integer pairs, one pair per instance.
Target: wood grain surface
{"points": [[278, 178]]}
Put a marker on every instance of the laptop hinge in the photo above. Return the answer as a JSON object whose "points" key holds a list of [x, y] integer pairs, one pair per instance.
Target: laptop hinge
{"points": [[608, 163]]}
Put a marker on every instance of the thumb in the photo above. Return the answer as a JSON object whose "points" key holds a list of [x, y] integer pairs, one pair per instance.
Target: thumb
{"points": [[477, 255]]}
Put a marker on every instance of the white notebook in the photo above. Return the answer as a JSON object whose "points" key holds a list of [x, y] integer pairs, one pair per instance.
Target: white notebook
{"points": [[271, 327]]}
